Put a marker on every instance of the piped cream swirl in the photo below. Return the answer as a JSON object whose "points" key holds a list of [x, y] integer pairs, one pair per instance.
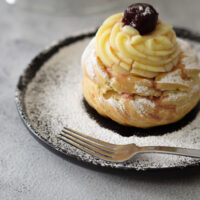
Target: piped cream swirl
{"points": [[146, 56]]}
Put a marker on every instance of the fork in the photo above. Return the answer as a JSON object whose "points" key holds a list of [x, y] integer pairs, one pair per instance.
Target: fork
{"points": [[118, 153]]}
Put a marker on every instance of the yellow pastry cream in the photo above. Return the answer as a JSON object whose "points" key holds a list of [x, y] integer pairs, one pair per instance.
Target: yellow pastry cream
{"points": [[142, 55]]}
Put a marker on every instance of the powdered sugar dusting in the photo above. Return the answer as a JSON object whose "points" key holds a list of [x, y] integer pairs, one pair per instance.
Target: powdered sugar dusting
{"points": [[147, 11], [190, 57], [140, 104], [141, 89], [112, 102], [102, 73], [140, 8], [89, 59], [115, 104], [175, 96], [195, 89], [173, 77], [54, 99]]}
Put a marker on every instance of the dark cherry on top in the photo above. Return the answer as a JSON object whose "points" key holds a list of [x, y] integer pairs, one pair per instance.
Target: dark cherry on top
{"points": [[141, 16]]}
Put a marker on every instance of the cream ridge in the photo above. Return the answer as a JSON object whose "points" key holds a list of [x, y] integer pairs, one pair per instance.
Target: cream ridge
{"points": [[142, 55]]}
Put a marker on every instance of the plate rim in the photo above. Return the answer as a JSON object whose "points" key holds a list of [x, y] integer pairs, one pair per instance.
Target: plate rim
{"points": [[42, 57]]}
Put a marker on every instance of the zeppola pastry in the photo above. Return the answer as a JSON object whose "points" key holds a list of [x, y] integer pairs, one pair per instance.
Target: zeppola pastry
{"points": [[137, 72]]}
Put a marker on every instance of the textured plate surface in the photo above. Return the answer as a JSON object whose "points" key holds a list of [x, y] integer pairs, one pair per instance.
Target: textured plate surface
{"points": [[49, 96]]}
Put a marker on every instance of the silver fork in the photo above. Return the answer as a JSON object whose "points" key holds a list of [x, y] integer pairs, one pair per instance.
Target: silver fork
{"points": [[118, 153]]}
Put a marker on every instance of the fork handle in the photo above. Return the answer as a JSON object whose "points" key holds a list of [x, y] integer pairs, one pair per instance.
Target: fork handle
{"points": [[195, 153]]}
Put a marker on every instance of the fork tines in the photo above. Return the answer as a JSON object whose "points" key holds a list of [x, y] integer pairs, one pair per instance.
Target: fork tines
{"points": [[88, 144]]}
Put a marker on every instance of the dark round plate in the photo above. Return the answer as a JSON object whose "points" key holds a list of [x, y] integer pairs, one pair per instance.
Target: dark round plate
{"points": [[48, 97]]}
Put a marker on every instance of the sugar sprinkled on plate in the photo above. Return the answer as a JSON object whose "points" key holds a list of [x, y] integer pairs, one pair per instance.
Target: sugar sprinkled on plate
{"points": [[54, 99]]}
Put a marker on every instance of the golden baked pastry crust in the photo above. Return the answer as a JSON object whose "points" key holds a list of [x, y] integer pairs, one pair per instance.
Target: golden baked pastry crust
{"points": [[138, 101]]}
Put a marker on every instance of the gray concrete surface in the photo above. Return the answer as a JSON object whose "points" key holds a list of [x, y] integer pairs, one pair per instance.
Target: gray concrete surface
{"points": [[30, 171]]}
